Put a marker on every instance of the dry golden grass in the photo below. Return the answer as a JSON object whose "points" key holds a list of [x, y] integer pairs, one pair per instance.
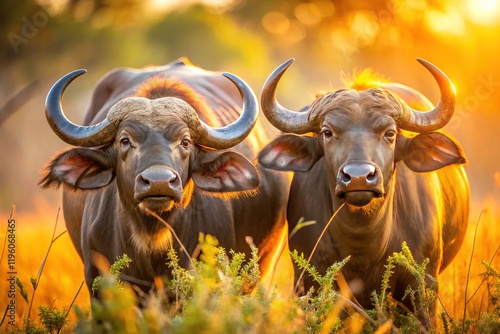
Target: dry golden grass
{"points": [[453, 281], [63, 271]]}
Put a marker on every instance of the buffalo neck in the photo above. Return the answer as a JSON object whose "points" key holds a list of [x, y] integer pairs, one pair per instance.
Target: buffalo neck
{"points": [[363, 235], [145, 233], [186, 222]]}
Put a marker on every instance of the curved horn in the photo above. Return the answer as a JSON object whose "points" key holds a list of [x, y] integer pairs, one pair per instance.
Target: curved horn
{"points": [[282, 118], [234, 133], [438, 117], [69, 132]]}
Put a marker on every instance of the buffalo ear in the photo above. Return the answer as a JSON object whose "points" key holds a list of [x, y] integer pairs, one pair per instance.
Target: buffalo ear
{"points": [[79, 168], [291, 153], [225, 172], [429, 151]]}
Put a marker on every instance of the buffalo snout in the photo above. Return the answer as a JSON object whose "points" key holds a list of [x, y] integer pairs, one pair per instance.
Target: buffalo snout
{"points": [[359, 183], [158, 187]]}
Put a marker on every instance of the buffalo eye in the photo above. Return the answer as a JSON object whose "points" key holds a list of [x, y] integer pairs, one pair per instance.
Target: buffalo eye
{"points": [[185, 143], [327, 133], [125, 141], [390, 135]]}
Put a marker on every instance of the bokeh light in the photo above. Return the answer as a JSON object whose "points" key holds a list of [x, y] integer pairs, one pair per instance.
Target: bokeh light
{"points": [[483, 12]]}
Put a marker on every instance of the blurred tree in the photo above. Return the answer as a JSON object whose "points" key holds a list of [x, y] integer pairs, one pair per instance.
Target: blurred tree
{"points": [[17, 26], [207, 38]]}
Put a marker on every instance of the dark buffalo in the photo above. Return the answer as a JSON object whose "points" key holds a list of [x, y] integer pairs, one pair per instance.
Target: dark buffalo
{"points": [[158, 144], [400, 180]]}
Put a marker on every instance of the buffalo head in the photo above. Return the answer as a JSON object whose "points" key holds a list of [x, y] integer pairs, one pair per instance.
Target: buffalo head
{"points": [[156, 151], [361, 135]]}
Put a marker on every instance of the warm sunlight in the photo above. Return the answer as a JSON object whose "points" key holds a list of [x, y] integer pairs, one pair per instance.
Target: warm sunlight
{"points": [[162, 6], [288, 31], [448, 22], [484, 12]]}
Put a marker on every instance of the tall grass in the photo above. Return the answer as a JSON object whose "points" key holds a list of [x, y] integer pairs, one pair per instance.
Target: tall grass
{"points": [[46, 265], [226, 290], [465, 288]]}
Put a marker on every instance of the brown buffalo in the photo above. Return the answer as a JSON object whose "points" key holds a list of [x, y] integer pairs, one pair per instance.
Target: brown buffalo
{"points": [[156, 140], [400, 180]]}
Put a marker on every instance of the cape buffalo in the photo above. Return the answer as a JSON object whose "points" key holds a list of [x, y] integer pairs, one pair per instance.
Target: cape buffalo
{"points": [[155, 141], [399, 178]]}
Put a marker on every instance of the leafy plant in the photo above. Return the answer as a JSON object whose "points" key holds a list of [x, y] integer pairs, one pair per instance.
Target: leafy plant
{"points": [[219, 294], [115, 269], [423, 298]]}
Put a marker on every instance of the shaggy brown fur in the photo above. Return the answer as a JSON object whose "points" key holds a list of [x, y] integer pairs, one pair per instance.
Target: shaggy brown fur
{"points": [[160, 86]]}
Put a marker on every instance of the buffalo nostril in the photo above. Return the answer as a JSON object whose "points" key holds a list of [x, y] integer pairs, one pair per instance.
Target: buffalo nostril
{"points": [[372, 176], [173, 179], [344, 177], [144, 179]]}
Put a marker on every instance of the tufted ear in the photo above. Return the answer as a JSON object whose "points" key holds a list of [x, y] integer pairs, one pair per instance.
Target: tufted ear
{"points": [[291, 153], [429, 151], [79, 168], [224, 172]]}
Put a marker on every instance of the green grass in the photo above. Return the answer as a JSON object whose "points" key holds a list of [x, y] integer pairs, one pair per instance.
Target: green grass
{"points": [[221, 293]]}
